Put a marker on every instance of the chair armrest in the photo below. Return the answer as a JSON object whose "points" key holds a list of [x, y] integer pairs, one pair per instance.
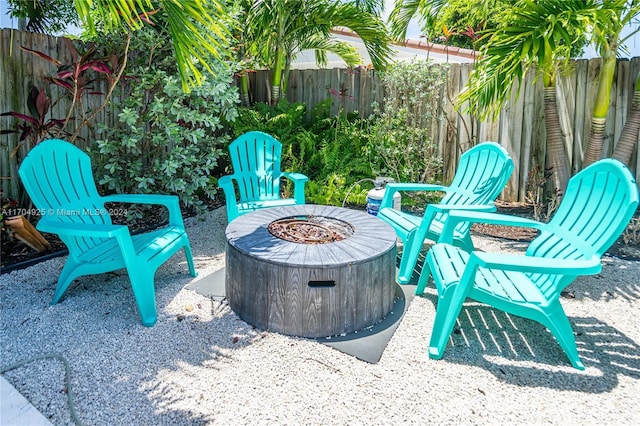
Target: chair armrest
{"points": [[296, 177], [53, 226], [533, 264], [457, 216], [298, 185], [469, 207], [226, 183], [393, 187], [231, 201], [171, 202]]}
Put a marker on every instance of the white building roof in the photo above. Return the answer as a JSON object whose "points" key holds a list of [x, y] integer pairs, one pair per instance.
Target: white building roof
{"points": [[410, 49]]}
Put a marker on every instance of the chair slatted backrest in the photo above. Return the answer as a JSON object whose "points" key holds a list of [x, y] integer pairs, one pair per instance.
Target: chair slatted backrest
{"points": [[597, 206], [483, 172], [255, 157], [58, 177]]}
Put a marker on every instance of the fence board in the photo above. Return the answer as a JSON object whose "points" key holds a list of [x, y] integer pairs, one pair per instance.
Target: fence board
{"points": [[565, 98], [635, 69], [580, 120], [449, 140], [621, 100], [466, 123], [511, 127], [530, 157]]}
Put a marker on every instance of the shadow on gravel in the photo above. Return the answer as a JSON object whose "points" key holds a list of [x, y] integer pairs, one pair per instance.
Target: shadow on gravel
{"points": [[618, 280], [524, 353]]}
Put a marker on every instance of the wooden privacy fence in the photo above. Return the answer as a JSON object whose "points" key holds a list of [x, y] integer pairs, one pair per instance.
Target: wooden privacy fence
{"points": [[520, 126], [353, 89]]}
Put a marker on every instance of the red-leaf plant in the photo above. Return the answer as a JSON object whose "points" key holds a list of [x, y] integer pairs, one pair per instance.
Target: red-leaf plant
{"points": [[77, 79], [35, 127]]}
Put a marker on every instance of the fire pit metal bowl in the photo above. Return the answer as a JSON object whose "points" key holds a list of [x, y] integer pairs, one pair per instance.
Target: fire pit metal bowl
{"points": [[334, 274]]}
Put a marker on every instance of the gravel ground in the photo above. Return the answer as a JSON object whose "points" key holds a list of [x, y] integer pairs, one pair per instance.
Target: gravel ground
{"points": [[201, 364]]}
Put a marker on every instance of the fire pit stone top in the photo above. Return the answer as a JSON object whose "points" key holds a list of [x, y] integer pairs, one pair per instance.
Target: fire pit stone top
{"points": [[250, 233]]}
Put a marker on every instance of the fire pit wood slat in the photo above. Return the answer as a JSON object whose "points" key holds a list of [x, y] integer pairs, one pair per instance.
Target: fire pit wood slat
{"points": [[310, 290]]}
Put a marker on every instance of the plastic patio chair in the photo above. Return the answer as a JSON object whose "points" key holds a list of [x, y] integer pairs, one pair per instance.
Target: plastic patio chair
{"points": [[58, 178], [597, 206], [481, 175], [255, 182]]}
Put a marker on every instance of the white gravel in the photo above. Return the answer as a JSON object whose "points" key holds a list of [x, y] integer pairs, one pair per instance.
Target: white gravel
{"points": [[201, 364]]}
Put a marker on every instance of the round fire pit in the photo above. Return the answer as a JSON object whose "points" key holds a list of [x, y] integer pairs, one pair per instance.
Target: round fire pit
{"points": [[310, 270]]}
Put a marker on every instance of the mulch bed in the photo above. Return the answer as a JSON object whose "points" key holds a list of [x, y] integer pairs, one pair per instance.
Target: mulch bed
{"points": [[17, 255], [514, 233]]}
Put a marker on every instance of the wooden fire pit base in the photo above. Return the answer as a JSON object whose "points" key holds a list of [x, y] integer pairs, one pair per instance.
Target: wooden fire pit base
{"points": [[310, 290]]}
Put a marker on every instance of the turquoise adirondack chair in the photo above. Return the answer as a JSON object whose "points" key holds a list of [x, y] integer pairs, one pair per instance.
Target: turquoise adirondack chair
{"points": [[597, 206], [57, 176], [482, 174], [255, 182]]}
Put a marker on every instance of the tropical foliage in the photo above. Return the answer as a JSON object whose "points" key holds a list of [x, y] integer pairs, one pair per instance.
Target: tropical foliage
{"points": [[169, 140], [534, 35], [341, 153], [608, 22], [199, 30], [44, 16], [540, 36], [537, 36], [375, 7], [454, 22], [332, 151], [277, 30], [79, 76], [400, 135]]}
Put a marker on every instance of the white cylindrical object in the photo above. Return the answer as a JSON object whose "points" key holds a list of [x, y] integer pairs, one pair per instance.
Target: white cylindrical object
{"points": [[374, 199], [397, 200]]}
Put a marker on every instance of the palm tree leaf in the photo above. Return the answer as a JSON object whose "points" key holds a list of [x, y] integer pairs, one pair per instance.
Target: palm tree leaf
{"points": [[322, 46], [198, 32], [406, 10], [533, 34]]}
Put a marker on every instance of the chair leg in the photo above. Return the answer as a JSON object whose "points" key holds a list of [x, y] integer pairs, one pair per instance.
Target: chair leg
{"points": [[408, 260], [557, 322], [189, 255], [145, 295], [68, 274], [447, 313], [424, 279], [450, 300]]}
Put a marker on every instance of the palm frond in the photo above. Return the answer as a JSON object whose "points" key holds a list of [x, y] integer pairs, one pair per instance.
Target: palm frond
{"points": [[199, 30], [535, 34], [322, 46], [405, 10]]}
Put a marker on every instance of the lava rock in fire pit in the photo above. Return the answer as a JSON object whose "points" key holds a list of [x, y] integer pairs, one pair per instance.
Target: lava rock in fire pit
{"points": [[311, 229]]}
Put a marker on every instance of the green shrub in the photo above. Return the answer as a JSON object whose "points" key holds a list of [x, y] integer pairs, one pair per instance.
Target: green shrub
{"points": [[169, 141], [340, 153], [331, 151], [281, 121], [400, 136]]}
